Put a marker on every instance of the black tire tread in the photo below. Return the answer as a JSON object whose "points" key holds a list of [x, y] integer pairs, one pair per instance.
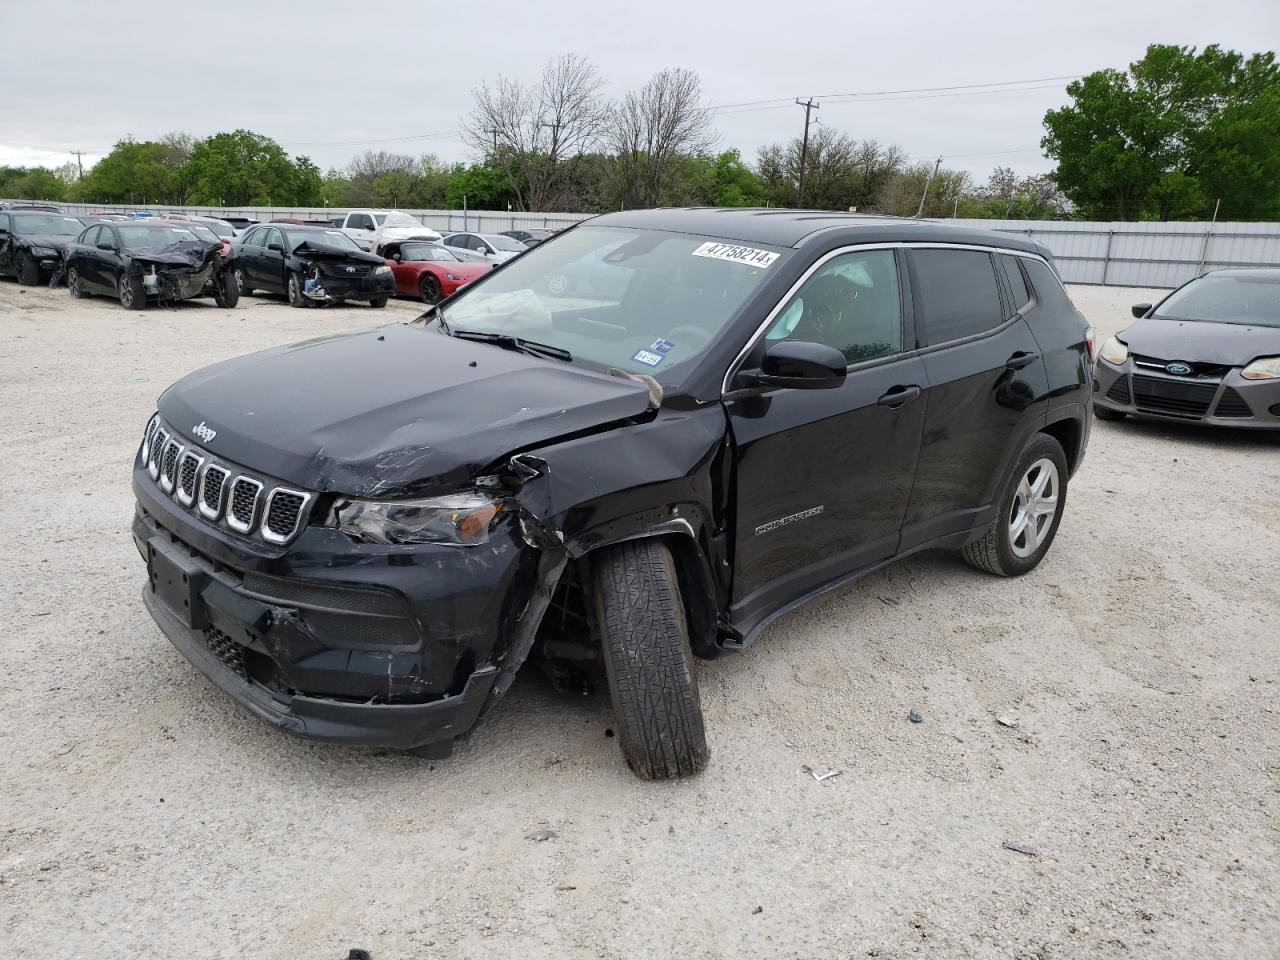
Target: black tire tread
{"points": [[641, 623]]}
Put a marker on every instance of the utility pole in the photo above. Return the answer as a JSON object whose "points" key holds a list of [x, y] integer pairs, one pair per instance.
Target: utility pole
{"points": [[920, 209], [78, 154], [809, 107], [493, 132]]}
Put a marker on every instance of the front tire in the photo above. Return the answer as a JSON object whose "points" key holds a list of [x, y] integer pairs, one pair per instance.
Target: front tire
{"points": [[641, 624], [28, 270], [226, 290], [429, 288], [296, 299], [1106, 413], [76, 285], [1028, 512], [132, 295], [378, 303]]}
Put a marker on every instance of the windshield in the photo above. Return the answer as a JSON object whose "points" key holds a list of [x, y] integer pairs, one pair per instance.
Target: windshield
{"points": [[426, 251], [328, 238], [138, 237], [46, 224], [499, 242], [399, 220], [644, 301], [204, 233], [222, 229], [379, 218], [1226, 299]]}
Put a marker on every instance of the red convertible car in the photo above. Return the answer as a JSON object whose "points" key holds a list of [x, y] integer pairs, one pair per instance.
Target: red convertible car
{"points": [[428, 270]]}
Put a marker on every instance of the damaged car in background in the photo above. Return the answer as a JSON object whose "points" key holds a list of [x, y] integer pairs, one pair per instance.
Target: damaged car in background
{"points": [[362, 538], [310, 265], [33, 243], [153, 259]]}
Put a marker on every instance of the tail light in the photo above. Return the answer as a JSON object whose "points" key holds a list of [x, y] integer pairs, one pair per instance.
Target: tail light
{"points": [[1091, 344]]}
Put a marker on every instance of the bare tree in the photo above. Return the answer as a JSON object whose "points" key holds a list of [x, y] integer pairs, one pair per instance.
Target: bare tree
{"points": [[538, 134], [652, 129], [377, 163]]}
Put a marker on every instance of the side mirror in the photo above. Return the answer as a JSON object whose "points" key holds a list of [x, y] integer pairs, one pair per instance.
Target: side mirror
{"points": [[1140, 310], [107, 246], [802, 366], [276, 247]]}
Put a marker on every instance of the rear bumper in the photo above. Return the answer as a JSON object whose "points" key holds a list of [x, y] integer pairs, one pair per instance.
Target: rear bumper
{"points": [[1231, 402], [403, 726]]}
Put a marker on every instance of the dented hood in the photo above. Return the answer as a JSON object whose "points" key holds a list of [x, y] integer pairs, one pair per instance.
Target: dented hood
{"points": [[392, 411], [310, 250], [184, 253], [1231, 344]]}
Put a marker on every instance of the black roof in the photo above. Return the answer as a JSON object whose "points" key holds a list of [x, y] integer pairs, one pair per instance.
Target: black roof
{"points": [[1262, 273], [791, 228]]}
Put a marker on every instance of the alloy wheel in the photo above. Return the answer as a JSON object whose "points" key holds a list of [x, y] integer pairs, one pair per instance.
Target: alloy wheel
{"points": [[1035, 503]]}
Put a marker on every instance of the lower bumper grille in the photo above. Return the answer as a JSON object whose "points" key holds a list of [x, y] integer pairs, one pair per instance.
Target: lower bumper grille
{"points": [[1173, 398], [228, 651], [1119, 392], [1231, 404]]}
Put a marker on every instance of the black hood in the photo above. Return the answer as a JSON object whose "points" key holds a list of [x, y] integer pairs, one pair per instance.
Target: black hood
{"points": [[58, 241], [391, 411], [1230, 344], [309, 250]]}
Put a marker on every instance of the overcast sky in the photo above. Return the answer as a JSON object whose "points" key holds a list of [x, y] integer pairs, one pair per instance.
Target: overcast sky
{"points": [[309, 74]]}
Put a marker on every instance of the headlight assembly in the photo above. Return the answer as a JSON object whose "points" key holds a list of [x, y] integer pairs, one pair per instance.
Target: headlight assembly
{"points": [[43, 252], [380, 271], [452, 276], [1264, 368], [462, 518], [1114, 352]]}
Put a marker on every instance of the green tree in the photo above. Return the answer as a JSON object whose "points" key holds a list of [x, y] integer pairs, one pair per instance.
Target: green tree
{"points": [[36, 183], [134, 172], [485, 188], [308, 183], [242, 168], [1170, 137]]}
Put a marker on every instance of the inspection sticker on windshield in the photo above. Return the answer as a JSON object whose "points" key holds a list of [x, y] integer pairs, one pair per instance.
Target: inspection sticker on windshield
{"points": [[735, 254], [648, 357]]}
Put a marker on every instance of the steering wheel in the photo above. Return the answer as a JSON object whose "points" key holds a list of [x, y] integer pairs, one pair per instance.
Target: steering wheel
{"points": [[686, 329]]}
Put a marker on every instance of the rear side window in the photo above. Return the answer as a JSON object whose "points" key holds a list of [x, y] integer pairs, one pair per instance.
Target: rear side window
{"points": [[958, 293], [1017, 284], [4, 221], [1048, 291], [254, 238]]}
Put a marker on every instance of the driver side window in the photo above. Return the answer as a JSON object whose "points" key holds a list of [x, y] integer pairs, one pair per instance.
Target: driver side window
{"points": [[852, 302]]}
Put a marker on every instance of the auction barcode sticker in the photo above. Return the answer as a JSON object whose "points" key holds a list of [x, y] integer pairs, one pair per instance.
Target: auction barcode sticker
{"points": [[735, 254]]}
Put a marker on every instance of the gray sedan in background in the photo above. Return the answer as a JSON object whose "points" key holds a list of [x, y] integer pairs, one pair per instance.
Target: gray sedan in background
{"points": [[1207, 353]]}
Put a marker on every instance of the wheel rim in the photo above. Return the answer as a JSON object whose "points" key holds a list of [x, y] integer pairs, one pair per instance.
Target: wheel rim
{"points": [[1035, 504], [430, 289], [126, 293], [73, 282], [295, 294], [239, 278]]}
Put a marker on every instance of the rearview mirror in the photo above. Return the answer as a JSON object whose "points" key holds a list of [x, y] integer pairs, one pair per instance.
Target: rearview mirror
{"points": [[802, 366], [1140, 310]]}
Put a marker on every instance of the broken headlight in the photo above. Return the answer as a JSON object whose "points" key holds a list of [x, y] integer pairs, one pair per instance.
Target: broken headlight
{"points": [[463, 518]]}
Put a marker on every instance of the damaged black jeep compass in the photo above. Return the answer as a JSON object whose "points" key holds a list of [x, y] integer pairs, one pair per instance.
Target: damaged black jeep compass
{"points": [[639, 442]]}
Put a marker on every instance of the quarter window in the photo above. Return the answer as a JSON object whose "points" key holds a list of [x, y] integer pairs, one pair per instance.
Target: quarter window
{"points": [[1017, 285], [852, 302], [958, 293], [1048, 290]]}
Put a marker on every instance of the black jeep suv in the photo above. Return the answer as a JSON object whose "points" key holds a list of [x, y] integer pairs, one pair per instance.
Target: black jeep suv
{"points": [[362, 538]]}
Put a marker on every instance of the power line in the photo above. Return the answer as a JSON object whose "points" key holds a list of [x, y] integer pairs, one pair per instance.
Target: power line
{"points": [[357, 143], [885, 93]]}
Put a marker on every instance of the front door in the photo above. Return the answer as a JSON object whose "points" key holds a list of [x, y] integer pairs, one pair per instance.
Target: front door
{"points": [[824, 476]]}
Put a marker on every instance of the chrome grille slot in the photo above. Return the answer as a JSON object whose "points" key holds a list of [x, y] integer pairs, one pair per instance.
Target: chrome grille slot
{"points": [[242, 509], [169, 465], [188, 477], [157, 449], [212, 485], [283, 513], [147, 435]]}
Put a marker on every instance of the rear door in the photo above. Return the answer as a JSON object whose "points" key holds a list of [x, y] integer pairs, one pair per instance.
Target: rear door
{"points": [[271, 262], [84, 257], [824, 477], [987, 389]]}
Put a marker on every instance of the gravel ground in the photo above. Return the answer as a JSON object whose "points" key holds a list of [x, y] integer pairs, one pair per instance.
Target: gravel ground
{"points": [[142, 815]]}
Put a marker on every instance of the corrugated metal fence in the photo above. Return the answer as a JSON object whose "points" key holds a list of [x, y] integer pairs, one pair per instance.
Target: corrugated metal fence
{"points": [[1145, 254], [1115, 254]]}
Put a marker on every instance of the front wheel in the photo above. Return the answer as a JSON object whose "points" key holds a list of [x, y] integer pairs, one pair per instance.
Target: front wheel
{"points": [[296, 299], [641, 624], [28, 270], [132, 295], [1027, 513], [226, 290], [429, 288], [242, 282], [378, 302], [75, 284]]}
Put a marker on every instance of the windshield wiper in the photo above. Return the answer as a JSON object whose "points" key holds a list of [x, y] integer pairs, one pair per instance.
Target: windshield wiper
{"points": [[443, 326], [519, 344]]}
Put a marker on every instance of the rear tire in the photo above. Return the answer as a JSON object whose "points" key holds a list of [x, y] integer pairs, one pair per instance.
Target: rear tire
{"points": [[76, 285], [28, 270], [245, 289], [1024, 528], [132, 295], [641, 624], [1105, 413]]}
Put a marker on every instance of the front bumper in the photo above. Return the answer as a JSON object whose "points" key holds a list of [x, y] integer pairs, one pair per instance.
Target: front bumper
{"points": [[335, 640], [1230, 401], [327, 287]]}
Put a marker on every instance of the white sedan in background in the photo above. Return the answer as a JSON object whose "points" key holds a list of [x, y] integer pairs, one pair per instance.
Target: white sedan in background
{"points": [[493, 247]]}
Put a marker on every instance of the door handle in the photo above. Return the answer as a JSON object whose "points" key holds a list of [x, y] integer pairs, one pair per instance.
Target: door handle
{"points": [[1021, 359], [899, 396]]}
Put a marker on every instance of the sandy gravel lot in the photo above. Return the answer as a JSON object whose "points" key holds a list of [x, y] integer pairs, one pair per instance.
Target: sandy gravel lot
{"points": [[142, 815]]}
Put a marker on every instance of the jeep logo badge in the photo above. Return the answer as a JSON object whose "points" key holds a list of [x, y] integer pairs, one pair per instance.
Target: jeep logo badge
{"points": [[202, 431], [1177, 368]]}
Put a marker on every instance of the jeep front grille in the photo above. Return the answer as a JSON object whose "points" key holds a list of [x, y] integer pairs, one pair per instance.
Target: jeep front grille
{"points": [[221, 493]]}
